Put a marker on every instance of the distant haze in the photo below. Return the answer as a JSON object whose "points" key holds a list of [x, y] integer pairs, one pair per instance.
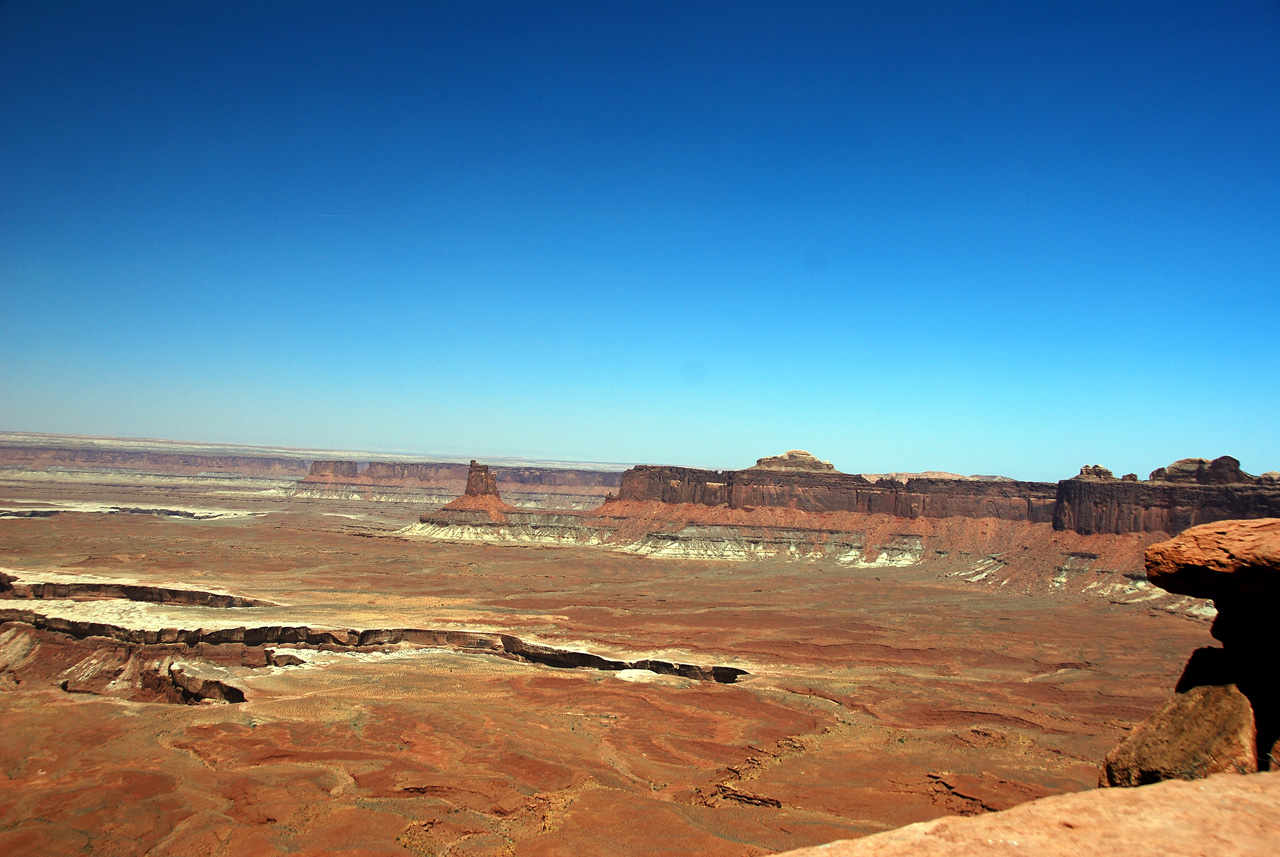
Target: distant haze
{"points": [[1007, 238]]}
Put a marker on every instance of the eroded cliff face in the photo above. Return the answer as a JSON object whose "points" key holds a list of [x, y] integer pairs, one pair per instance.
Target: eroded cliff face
{"points": [[61, 459], [331, 471], [480, 497], [1002, 554], [1186, 493], [830, 491], [481, 481], [437, 483]]}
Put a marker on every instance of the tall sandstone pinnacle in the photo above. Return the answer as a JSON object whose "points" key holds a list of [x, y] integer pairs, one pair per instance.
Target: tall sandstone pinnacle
{"points": [[480, 497], [481, 482], [1225, 713]]}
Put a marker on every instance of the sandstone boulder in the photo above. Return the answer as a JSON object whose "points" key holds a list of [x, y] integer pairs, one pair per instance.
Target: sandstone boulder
{"points": [[1206, 728], [1237, 564], [282, 658]]}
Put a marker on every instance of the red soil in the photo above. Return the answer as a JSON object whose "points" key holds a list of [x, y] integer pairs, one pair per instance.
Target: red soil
{"points": [[875, 697]]}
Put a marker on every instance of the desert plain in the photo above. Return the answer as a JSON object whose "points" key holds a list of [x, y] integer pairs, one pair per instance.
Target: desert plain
{"points": [[787, 703]]}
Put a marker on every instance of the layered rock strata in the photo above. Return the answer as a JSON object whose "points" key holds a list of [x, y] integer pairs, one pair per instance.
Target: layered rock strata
{"points": [[481, 481], [831, 491], [185, 641], [438, 483], [480, 501], [64, 459], [1006, 555], [1225, 714], [68, 588], [1186, 493]]}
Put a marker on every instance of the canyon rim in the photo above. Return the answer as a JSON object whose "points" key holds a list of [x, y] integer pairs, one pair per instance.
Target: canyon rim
{"points": [[275, 652]]}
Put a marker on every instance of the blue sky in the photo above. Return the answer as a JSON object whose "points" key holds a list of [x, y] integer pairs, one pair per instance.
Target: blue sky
{"points": [[988, 238]]}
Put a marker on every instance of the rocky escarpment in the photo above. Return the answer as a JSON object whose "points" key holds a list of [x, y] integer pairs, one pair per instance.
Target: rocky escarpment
{"points": [[244, 645], [1225, 713], [830, 491], [15, 584], [1186, 493], [989, 531], [61, 459], [436, 483], [1012, 556]]}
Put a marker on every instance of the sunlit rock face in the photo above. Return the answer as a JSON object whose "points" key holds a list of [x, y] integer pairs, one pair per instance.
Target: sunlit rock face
{"points": [[1186, 493], [794, 459], [481, 481], [437, 483], [798, 480], [1221, 815], [1225, 712]]}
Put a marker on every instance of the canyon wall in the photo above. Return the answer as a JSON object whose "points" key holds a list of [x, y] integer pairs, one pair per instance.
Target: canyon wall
{"points": [[439, 483], [46, 458], [827, 491], [1186, 493]]}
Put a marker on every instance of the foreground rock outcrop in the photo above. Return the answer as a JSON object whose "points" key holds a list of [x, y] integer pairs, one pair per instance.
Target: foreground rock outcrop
{"points": [[1224, 816], [1233, 561], [1207, 727], [1225, 713]]}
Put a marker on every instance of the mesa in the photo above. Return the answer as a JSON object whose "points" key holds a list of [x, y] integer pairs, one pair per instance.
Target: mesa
{"points": [[270, 652]]}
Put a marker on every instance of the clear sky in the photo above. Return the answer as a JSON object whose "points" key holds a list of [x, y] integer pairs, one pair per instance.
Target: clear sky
{"points": [[1006, 238]]}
